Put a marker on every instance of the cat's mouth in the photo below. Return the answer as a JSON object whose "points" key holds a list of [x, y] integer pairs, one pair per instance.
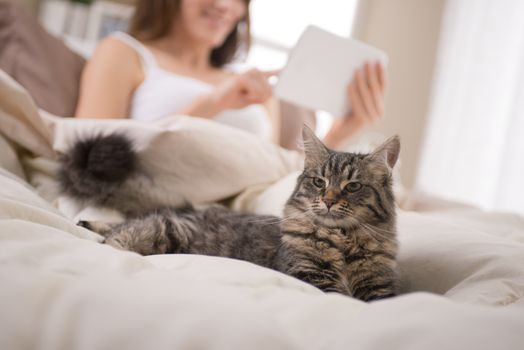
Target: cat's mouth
{"points": [[336, 219], [332, 213]]}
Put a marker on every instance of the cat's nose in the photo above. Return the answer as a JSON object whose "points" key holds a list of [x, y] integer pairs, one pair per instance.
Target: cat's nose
{"points": [[329, 202]]}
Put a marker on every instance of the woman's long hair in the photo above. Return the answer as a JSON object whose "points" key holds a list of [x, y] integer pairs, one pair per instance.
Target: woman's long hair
{"points": [[154, 19]]}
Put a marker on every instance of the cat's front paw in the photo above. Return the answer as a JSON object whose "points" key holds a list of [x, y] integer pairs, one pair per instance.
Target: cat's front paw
{"points": [[87, 225], [102, 228], [84, 224]]}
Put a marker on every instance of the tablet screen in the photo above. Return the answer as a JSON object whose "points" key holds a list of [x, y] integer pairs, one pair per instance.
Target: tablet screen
{"points": [[319, 69]]}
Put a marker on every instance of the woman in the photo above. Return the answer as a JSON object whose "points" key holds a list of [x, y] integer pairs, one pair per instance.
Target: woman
{"points": [[175, 61]]}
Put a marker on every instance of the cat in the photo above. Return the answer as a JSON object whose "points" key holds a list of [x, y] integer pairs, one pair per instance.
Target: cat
{"points": [[338, 231]]}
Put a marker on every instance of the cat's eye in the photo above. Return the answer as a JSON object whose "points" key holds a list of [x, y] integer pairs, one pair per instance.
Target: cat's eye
{"points": [[318, 182], [353, 186]]}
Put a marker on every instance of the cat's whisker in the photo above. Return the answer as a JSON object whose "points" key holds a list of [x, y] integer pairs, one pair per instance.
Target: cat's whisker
{"points": [[375, 235], [373, 232], [268, 220], [278, 220], [381, 229], [298, 216]]}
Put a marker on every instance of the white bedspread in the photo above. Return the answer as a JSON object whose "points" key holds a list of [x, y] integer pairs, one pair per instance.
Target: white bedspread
{"points": [[60, 289], [462, 277]]}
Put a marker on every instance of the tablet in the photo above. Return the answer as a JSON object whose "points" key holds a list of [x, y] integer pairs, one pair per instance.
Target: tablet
{"points": [[319, 68]]}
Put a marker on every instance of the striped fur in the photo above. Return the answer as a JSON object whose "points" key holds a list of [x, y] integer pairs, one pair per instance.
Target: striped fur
{"points": [[337, 233]]}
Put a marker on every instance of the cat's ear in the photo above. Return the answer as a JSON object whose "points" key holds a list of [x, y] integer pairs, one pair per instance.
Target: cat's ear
{"points": [[388, 152], [316, 152]]}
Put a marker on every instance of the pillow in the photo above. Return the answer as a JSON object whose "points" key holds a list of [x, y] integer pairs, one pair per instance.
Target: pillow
{"points": [[9, 159], [196, 159], [291, 121], [185, 158], [41, 63]]}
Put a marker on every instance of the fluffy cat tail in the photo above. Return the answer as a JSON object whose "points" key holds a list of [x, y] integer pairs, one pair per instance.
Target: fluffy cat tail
{"points": [[93, 162], [96, 169], [107, 171]]}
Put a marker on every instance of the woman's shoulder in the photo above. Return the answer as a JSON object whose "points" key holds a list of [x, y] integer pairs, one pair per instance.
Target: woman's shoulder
{"points": [[116, 59], [114, 45]]}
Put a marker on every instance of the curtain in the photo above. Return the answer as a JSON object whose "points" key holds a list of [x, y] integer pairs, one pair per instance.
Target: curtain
{"points": [[474, 144]]}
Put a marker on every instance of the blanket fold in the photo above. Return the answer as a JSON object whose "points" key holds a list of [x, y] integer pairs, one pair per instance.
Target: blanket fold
{"points": [[185, 158]]}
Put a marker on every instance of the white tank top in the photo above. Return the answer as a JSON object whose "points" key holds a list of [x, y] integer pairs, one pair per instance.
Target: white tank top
{"points": [[164, 93]]}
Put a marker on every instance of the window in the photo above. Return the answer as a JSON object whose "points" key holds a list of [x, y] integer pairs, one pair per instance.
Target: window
{"points": [[277, 24]]}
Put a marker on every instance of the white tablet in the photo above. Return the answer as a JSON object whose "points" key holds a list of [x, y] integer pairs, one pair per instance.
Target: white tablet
{"points": [[319, 69]]}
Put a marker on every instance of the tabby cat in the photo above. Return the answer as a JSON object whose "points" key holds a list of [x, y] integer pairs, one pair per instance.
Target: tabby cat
{"points": [[337, 233]]}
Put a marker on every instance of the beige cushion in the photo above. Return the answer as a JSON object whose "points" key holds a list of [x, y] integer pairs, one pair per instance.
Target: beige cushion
{"points": [[9, 158], [192, 158], [41, 63]]}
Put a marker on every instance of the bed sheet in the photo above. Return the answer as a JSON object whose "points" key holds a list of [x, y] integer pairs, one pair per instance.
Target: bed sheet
{"points": [[61, 289]]}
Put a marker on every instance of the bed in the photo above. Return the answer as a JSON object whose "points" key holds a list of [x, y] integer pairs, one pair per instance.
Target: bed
{"points": [[462, 269]]}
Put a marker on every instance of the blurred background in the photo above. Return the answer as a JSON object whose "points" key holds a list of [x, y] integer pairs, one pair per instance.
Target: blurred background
{"points": [[456, 78]]}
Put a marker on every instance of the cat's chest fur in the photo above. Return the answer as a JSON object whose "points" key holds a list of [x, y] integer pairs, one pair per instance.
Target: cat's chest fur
{"points": [[344, 249], [346, 244]]}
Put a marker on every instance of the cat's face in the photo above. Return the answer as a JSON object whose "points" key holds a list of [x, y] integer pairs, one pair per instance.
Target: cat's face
{"points": [[339, 189]]}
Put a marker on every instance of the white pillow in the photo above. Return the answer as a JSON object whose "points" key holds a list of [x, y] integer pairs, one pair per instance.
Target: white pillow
{"points": [[197, 159], [189, 158], [9, 159]]}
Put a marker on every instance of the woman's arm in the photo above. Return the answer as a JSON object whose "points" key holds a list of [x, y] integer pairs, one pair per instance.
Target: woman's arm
{"points": [[235, 92], [273, 109], [366, 93], [108, 81]]}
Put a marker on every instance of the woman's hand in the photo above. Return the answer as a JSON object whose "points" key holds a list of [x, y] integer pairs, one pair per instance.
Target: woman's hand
{"points": [[366, 94], [238, 91], [251, 87]]}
